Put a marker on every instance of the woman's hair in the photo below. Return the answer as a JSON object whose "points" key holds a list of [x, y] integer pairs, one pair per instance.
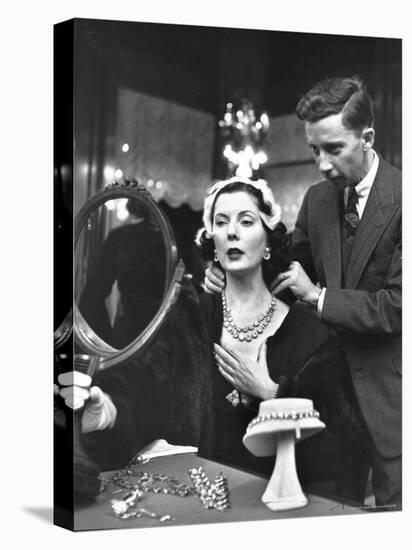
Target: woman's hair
{"points": [[346, 95], [278, 239]]}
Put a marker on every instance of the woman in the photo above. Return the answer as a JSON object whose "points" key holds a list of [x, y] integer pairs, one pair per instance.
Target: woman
{"points": [[263, 349]]}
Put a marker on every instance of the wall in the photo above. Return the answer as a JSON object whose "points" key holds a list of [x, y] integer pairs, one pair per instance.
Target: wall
{"points": [[290, 169], [170, 147]]}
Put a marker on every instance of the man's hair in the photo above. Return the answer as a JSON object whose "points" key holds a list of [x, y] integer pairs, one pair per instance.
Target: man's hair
{"points": [[346, 95]]}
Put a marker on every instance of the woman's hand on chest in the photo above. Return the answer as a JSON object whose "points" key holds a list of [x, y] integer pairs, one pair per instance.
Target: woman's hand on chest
{"points": [[249, 376]]}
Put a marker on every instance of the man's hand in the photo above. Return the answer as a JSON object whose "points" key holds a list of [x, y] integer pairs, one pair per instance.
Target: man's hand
{"points": [[299, 283], [214, 281]]}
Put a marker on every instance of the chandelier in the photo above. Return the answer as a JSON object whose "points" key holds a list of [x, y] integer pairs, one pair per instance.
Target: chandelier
{"points": [[243, 134]]}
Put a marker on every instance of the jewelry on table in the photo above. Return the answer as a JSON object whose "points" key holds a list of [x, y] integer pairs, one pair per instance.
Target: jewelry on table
{"points": [[251, 331], [140, 512], [122, 506], [222, 493], [145, 482], [126, 508], [212, 495], [149, 482]]}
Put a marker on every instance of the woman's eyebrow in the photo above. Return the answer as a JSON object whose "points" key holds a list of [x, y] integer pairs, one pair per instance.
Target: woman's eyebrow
{"points": [[241, 213], [251, 212]]}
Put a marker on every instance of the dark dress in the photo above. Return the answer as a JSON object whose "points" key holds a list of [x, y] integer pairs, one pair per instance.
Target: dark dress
{"points": [[304, 358]]}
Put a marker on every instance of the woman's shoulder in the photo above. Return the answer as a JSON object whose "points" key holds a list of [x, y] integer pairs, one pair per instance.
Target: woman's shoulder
{"points": [[211, 306], [209, 302]]}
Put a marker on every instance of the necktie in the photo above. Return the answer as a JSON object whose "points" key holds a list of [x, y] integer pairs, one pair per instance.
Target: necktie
{"points": [[351, 215]]}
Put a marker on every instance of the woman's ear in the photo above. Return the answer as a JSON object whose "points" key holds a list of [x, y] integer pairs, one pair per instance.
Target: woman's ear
{"points": [[368, 138]]}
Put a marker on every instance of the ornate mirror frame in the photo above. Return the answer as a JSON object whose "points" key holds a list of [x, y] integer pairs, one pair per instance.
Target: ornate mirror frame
{"points": [[75, 324]]}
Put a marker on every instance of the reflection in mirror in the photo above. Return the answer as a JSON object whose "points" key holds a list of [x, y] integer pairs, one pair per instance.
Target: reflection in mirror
{"points": [[120, 270]]}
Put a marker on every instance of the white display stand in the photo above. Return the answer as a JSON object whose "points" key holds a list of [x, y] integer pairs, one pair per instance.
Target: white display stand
{"points": [[280, 424]]}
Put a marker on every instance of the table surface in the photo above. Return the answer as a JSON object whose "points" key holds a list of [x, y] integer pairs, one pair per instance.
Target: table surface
{"points": [[245, 497]]}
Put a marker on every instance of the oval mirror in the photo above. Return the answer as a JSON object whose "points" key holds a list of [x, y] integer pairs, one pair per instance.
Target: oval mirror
{"points": [[126, 274]]}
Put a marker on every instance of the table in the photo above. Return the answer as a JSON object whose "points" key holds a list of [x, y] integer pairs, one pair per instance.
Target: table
{"points": [[245, 494]]}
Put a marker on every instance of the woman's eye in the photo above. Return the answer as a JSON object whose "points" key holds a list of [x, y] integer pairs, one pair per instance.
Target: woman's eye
{"points": [[247, 222], [219, 223]]}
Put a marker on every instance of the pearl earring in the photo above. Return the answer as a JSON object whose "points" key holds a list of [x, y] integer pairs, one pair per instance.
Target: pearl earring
{"points": [[266, 255], [216, 258]]}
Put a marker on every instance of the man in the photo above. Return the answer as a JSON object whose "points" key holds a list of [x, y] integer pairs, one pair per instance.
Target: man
{"points": [[351, 224]]}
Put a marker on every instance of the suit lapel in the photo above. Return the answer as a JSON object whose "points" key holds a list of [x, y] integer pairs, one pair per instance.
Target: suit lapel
{"points": [[329, 225], [378, 211]]}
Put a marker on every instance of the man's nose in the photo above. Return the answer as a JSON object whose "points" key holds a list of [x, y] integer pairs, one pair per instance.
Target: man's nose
{"points": [[324, 163]]}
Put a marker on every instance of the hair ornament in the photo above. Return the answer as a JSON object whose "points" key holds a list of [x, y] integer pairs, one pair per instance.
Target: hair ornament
{"points": [[270, 220]]}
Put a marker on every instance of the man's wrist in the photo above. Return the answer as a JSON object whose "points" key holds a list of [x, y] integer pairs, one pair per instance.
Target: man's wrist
{"points": [[313, 297], [321, 299]]}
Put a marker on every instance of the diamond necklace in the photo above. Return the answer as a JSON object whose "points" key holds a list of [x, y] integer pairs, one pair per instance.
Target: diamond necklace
{"points": [[251, 331]]}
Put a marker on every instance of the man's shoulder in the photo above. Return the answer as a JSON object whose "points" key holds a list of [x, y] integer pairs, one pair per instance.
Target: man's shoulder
{"points": [[386, 166], [320, 188], [387, 172]]}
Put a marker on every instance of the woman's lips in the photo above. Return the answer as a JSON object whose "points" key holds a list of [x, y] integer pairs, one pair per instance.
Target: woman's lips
{"points": [[234, 253]]}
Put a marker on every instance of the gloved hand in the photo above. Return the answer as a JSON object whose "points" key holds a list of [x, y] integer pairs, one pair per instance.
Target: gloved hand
{"points": [[99, 412]]}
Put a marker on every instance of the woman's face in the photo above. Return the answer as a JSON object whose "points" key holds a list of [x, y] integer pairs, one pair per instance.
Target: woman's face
{"points": [[239, 236]]}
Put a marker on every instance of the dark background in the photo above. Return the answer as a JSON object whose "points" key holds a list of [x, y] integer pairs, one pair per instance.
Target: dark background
{"points": [[204, 68]]}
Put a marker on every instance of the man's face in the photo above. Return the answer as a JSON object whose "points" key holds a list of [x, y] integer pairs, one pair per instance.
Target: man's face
{"points": [[340, 153]]}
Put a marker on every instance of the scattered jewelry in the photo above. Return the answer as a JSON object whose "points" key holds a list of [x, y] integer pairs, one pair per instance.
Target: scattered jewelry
{"points": [[212, 495], [126, 508], [251, 331], [148, 513], [149, 482], [140, 512], [122, 506], [222, 501]]}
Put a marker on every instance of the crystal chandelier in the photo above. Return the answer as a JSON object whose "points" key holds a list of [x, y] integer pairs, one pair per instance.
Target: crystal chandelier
{"points": [[243, 134]]}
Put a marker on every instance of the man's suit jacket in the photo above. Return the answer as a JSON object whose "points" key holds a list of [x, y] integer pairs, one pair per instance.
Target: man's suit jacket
{"points": [[366, 306]]}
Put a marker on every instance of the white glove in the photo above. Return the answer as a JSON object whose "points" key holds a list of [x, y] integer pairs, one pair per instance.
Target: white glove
{"points": [[99, 411]]}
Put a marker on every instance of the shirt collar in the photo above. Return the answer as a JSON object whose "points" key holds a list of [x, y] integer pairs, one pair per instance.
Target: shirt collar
{"points": [[364, 186]]}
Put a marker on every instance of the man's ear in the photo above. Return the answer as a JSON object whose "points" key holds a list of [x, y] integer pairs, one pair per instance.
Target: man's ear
{"points": [[368, 138]]}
